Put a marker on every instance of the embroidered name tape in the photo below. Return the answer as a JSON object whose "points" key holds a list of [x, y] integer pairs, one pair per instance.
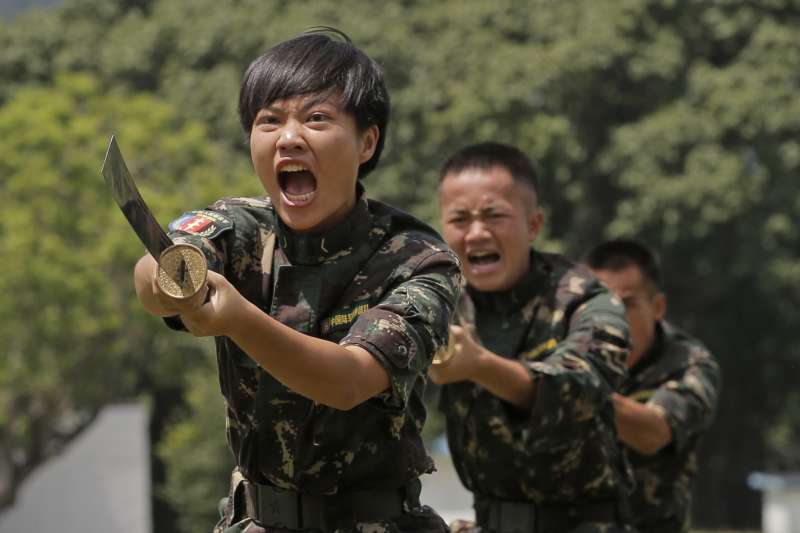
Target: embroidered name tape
{"points": [[538, 351], [345, 318]]}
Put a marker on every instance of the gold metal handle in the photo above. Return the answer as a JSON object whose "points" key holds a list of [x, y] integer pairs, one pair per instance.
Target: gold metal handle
{"points": [[182, 271], [444, 353]]}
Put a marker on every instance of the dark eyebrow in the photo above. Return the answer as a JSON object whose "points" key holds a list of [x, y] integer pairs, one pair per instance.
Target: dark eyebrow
{"points": [[311, 102], [319, 98]]}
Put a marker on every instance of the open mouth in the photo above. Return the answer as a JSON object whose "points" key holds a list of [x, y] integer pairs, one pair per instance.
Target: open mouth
{"points": [[483, 258], [298, 184]]}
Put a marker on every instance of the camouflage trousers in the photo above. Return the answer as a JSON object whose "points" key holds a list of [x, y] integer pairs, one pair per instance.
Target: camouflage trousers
{"points": [[415, 518]]}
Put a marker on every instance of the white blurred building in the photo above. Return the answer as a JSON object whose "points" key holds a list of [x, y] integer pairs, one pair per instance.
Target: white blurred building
{"points": [[780, 502], [100, 483], [442, 490]]}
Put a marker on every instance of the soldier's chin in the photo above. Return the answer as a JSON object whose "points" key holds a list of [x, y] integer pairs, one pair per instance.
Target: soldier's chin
{"points": [[300, 220], [484, 283], [489, 280], [484, 269]]}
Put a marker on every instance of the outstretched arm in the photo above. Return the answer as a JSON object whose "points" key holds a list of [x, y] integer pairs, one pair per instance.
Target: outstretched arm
{"points": [[681, 407], [505, 378], [643, 427], [334, 375], [338, 376]]}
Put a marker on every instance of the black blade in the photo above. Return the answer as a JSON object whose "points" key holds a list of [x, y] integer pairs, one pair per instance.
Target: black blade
{"points": [[127, 196]]}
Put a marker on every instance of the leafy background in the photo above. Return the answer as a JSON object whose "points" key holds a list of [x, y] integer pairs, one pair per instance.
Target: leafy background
{"points": [[674, 121]]}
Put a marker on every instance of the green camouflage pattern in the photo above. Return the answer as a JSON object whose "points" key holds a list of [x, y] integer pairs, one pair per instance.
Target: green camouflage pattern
{"points": [[571, 334], [679, 376], [381, 280]]}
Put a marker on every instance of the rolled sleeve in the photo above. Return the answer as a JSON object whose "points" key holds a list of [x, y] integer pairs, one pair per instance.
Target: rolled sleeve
{"points": [[214, 251], [405, 329], [689, 400], [575, 381]]}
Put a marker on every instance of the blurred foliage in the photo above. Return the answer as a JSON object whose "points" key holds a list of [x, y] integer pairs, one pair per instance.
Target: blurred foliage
{"points": [[671, 120], [197, 433], [74, 337]]}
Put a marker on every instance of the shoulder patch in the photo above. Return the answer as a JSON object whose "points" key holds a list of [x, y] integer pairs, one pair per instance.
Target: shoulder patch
{"points": [[207, 224]]}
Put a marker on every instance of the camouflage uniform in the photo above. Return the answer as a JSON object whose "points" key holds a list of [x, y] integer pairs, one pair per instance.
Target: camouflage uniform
{"points": [[561, 458], [680, 377], [380, 280]]}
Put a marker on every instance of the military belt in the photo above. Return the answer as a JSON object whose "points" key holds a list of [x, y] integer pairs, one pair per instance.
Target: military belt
{"points": [[502, 516], [279, 508]]}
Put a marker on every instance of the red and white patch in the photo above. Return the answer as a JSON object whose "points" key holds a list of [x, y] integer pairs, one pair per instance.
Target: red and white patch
{"points": [[195, 224], [204, 223]]}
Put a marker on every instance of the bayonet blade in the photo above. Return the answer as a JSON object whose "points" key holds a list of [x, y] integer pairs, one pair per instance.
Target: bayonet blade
{"points": [[127, 196], [182, 267]]}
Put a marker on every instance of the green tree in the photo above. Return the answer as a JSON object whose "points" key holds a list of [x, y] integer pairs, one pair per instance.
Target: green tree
{"points": [[195, 449], [73, 336], [671, 120]]}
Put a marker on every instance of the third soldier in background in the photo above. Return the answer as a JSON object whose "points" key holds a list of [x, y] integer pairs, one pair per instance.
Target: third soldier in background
{"points": [[670, 395], [539, 347]]}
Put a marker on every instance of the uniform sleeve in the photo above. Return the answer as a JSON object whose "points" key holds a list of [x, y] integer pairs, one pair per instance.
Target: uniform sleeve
{"points": [[207, 230], [689, 400], [200, 229], [575, 381], [408, 326]]}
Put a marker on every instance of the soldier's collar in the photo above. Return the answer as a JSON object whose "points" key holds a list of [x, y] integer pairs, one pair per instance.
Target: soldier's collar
{"points": [[520, 294], [317, 247]]}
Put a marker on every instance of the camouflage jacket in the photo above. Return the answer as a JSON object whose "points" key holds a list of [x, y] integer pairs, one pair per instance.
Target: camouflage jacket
{"points": [[571, 334], [381, 280], [682, 378]]}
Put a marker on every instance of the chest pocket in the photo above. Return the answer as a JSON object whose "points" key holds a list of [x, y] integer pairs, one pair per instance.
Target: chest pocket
{"points": [[296, 298]]}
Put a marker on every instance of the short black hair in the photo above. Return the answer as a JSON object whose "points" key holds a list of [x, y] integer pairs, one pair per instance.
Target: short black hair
{"points": [[322, 60], [618, 254], [488, 155]]}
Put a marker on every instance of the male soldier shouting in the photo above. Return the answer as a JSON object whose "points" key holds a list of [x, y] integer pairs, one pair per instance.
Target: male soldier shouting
{"points": [[528, 384], [671, 392]]}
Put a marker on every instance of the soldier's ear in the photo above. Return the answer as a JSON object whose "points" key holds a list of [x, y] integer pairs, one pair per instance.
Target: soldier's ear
{"points": [[369, 141], [660, 305], [535, 222]]}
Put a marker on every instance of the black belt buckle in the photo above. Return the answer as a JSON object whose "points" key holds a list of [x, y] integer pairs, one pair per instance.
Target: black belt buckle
{"points": [[512, 517], [278, 508]]}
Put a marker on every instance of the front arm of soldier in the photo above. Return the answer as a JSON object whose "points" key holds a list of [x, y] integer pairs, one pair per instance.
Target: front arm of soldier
{"points": [[341, 377], [505, 378], [642, 427]]}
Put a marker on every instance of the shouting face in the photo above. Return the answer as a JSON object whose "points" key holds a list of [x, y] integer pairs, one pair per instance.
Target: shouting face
{"points": [[306, 151], [489, 219]]}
